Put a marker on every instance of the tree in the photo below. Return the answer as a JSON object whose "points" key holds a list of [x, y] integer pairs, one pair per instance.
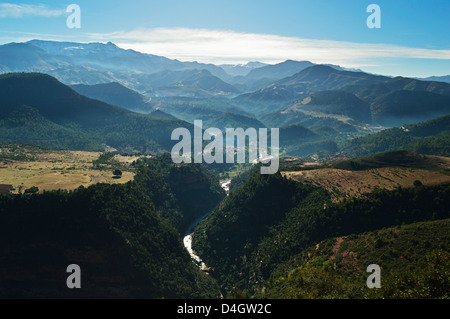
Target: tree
{"points": [[32, 190], [117, 173]]}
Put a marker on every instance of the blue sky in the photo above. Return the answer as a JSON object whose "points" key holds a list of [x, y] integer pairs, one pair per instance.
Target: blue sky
{"points": [[413, 39]]}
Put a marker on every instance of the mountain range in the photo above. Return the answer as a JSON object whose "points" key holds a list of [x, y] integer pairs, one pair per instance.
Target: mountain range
{"points": [[444, 78], [390, 101], [97, 63], [335, 103]]}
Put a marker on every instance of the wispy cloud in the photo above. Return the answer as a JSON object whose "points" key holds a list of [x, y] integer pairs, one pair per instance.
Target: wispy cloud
{"points": [[11, 10], [221, 46], [225, 46]]}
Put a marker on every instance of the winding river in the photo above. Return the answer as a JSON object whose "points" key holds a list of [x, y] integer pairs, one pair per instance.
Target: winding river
{"points": [[187, 240]]}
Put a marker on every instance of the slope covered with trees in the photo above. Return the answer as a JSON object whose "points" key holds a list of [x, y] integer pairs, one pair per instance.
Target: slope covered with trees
{"points": [[181, 193], [430, 137], [246, 238], [414, 262], [406, 107], [117, 94], [81, 123], [124, 237]]}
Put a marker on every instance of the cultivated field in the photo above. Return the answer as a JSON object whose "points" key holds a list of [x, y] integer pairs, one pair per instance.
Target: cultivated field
{"points": [[24, 167]]}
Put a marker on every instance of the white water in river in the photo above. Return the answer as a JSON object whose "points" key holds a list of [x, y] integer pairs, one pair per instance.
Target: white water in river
{"points": [[187, 240]]}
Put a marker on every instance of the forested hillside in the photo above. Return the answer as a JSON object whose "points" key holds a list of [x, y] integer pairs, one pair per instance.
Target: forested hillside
{"points": [[246, 237], [414, 258], [37, 109], [180, 193], [430, 137], [123, 237]]}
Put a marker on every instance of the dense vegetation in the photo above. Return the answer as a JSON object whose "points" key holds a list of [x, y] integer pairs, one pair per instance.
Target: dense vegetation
{"points": [[122, 236], [405, 107], [182, 193], [430, 137], [247, 237], [338, 103], [414, 260], [117, 94], [227, 239], [403, 159]]}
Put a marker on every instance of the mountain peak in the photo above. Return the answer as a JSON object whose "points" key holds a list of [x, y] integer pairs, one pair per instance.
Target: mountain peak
{"points": [[280, 70], [323, 68], [289, 61]]}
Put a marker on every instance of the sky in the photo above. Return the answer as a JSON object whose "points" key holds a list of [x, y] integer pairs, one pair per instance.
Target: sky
{"points": [[413, 40]]}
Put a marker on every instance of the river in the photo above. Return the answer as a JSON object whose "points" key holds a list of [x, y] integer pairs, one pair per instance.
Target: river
{"points": [[187, 240]]}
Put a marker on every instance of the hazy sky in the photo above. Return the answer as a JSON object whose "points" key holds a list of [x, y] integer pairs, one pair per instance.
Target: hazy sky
{"points": [[413, 39]]}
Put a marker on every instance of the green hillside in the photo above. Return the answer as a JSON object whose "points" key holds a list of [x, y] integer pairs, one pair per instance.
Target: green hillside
{"points": [[414, 260], [204, 80], [324, 78], [80, 123], [296, 134], [26, 125], [180, 193], [430, 137], [306, 149], [406, 107], [338, 103], [117, 94], [159, 113], [269, 220]]}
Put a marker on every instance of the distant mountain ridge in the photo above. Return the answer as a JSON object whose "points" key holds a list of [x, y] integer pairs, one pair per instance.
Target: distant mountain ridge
{"points": [[198, 83], [99, 63], [392, 101], [443, 78], [324, 78], [92, 63], [111, 57], [280, 70], [242, 69], [310, 80]]}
